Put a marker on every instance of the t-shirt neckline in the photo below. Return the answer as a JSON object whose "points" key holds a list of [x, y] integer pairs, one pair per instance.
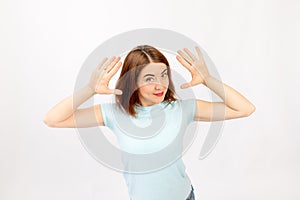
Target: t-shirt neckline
{"points": [[148, 108]]}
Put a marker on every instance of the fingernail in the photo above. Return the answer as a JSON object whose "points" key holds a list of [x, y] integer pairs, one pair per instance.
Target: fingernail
{"points": [[118, 92]]}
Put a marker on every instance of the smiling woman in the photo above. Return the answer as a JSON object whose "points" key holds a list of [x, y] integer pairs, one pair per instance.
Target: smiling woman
{"points": [[153, 84], [147, 119], [145, 79]]}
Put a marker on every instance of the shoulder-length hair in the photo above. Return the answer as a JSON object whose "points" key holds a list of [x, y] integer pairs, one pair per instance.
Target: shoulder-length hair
{"points": [[133, 64]]}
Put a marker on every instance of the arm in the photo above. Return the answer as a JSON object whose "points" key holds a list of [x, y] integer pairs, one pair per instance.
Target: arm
{"points": [[66, 113], [63, 114], [235, 105]]}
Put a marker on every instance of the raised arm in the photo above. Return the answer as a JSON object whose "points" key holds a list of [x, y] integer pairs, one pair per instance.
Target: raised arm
{"points": [[234, 104], [66, 114]]}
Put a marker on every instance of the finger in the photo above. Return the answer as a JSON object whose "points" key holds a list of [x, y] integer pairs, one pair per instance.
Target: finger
{"points": [[114, 70], [102, 62], [184, 63], [190, 54], [118, 92], [184, 56], [113, 63], [105, 67], [199, 53], [114, 91], [186, 85]]}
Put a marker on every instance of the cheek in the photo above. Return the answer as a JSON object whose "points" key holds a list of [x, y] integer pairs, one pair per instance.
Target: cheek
{"points": [[167, 84], [146, 90]]}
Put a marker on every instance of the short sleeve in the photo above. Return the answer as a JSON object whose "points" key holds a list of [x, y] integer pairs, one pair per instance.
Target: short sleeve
{"points": [[106, 111], [189, 109]]}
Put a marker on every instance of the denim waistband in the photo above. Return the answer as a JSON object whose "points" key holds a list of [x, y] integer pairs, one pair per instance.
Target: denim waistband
{"points": [[190, 194]]}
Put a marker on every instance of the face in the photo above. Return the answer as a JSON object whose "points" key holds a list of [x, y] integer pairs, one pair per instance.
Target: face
{"points": [[153, 82]]}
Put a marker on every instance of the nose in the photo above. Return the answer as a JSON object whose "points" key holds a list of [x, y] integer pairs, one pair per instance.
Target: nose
{"points": [[161, 83], [159, 86]]}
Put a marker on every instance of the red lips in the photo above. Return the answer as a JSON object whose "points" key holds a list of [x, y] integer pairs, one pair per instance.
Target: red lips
{"points": [[159, 94]]}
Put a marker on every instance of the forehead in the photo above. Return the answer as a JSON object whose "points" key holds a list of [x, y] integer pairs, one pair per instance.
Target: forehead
{"points": [[153, 68]]}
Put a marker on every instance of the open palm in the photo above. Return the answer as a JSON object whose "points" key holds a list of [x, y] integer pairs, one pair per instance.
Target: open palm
{"points": [[101, 76], [196, 66]]}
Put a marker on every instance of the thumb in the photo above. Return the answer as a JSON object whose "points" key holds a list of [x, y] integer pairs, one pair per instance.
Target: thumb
{"points": [[117, 92], [185, 85]]}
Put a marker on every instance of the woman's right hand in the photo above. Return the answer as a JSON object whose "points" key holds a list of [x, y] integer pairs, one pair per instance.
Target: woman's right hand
{"points": [[103, 73]]}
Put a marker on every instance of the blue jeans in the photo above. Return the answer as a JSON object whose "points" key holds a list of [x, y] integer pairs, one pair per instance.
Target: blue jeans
{"points": [[191, 195]]}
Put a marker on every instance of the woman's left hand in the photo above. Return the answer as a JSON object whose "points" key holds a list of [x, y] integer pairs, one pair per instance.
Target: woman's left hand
{"points": [[196, 66]]}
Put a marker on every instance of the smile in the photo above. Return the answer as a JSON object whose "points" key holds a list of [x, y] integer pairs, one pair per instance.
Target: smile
{"points": [[159, 94]]}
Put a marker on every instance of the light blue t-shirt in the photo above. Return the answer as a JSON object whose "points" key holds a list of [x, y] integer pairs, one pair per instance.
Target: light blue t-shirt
{"points": [[152, 146]]}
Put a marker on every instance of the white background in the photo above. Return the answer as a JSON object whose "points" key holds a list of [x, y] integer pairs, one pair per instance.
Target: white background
{"points": [[254, 45]]}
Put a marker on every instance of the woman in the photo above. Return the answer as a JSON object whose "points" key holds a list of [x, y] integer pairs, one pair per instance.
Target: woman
{"points": [[145, 84]]}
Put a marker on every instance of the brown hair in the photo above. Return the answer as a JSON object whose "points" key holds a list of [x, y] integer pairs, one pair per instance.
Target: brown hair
{"points": [[133, 64]]}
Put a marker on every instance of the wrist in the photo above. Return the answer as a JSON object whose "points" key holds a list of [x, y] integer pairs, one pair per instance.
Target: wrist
{"points": [[206, 79], [90, 89]]}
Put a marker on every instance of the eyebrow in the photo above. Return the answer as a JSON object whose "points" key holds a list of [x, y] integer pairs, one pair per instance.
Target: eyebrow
{"points": [[153, 75]]}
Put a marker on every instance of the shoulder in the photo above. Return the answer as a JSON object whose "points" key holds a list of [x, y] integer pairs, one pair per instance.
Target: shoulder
{"points": [[187, 106], [182, 108], [109, 111], [111, 107]]}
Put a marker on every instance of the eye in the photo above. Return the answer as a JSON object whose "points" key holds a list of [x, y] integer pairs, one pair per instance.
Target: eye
{"points": [[149, 79], [164, 75]]}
